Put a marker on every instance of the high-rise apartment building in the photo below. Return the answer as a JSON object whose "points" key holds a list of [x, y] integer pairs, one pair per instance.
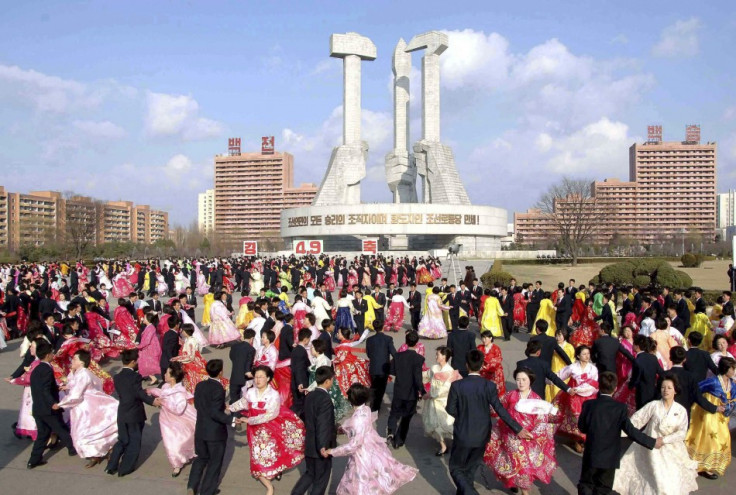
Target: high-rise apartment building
{"points": [[149, 225], [251, 189], [206, 211], [725, 211], [671, 191]]}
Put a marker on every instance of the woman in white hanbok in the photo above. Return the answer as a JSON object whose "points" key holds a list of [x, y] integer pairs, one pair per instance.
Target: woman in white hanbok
{"points": [[437, 423], [665, 471], [181, 282], [256, 282]]}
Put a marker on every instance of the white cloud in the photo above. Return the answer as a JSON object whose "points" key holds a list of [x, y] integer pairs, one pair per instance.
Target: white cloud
{"points": [[104, 129], [46, 93], [178, 115], [475, 60], [177, 167], [679, 40], [597, 148]]}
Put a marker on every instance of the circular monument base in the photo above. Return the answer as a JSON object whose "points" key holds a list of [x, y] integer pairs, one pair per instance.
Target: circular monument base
{"points": [[398, 226]]}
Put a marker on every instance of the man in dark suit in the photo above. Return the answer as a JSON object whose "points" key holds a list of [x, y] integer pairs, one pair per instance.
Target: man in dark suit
{"points": [[169, 344], [700, 305], [535, 299], [327, 335], [507, 305], [698, 361], [300, 370], [47, 305], [541, 369], [155, 304], [606, 315], [46, 411], [415, 306], [461, 342], [210, 432], [727, 303], [453, 300], [360, 307], [645, 372], [406, 367], [319, 422], [465, 300], [675, 321], [381, 300], [549, 344], [469, 401], [689, 393], [286, 339], [191, 302], [476, 292], [683, 312], [380, 350], [131, 415], [605, 348], [602, 419], [242, 354]]}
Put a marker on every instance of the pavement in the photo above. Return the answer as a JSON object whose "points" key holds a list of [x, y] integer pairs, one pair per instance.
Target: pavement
{"points": [[64, 475]]}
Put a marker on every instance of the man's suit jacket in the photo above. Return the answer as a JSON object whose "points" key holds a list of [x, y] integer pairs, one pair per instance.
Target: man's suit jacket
{"points": [[644, 378], [286, 342], [44, 390], [192, 300], [325, 335], [461, 342], [319, 422], [129, 387], [602, 420], [689, 391], [469, 402], [415, 301], [465, 300], [453, 300], [299, 370], [679, 324], [606, 315], [604, 351], [683, 312], [541, 371], [169, 348], [156, 306], [242, 355], [549, 347], [700, 306], [698, 362], [46, 305], [407, 368], [380, 349], [380, 298], [508, 306], [209, 401]]}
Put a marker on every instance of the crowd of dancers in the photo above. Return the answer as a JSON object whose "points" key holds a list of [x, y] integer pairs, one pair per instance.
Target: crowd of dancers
{"points": [[654, 363]]}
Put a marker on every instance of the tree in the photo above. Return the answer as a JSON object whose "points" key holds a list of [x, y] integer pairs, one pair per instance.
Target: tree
{"points": [[82, 221], [572, 213]]}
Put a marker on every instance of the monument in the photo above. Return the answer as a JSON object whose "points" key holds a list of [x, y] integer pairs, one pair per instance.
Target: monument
{"points": [[441, 215]]}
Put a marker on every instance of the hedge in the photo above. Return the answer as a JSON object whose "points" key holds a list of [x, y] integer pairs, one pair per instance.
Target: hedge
{"points": [[690, 260], [496, 274], [643, 272]]}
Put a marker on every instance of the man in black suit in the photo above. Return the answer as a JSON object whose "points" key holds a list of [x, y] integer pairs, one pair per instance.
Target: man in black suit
{"points": [[535, 299], [415, 306], [46, 411], [327, 335], [453, 300], [242, 354], [191, 302], [319, 422], [155, 304], [700, 305], [47, 305], [461, 342], [380, 349], [360, 307], [169, 344], [683, 312], [469, 401], [606, 315], [381, 300], [549, 344], [210, 432], [507, 305], [286, 338], [408, 388], [645, 371], [131, 415], [727, 303], [602, 419], [300, 370], [541, 369], [698, 361], [464, 294], [689, 393], [605, 348], [675, 321], [476, 292]]}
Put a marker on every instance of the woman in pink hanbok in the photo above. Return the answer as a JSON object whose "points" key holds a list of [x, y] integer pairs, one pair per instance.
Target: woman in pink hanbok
{"points": [[126, 326], [352, 278], [432, 325], [268, 355], [178, 418], [192, 362], [149, 349], [222, 328], [435, 270], [380, 276], [330, 280], [623, 393], [371, 469], [583, 377], [202, 285], [26, 425], [93, 414], [395, 318], [121, 286]]}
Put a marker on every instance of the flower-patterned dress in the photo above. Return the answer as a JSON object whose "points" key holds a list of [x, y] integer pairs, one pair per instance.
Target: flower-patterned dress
{"points": [[350, 368], [585, 380]]}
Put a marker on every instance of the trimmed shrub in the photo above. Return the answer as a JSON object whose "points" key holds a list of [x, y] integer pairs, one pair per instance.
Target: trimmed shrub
{"points": [[689, 260], [642, 280], [490, 278], [643, 273], [617, 274], [666, 276], [497, 266]]}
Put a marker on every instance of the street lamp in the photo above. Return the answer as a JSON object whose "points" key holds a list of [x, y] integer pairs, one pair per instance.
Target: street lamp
{"points": [[683, 242]]}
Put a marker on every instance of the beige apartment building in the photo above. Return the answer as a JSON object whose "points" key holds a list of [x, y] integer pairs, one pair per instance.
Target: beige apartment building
{"points": [[671, 191], [251, 189], [47, 216]]}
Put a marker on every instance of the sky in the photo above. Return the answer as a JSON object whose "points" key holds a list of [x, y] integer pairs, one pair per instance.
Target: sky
{"points": [[132, 100]]}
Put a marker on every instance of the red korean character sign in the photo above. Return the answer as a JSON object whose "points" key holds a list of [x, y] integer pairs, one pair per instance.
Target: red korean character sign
{"points": [[267, 145], [250, 248], [370, 246], [302, 247]]}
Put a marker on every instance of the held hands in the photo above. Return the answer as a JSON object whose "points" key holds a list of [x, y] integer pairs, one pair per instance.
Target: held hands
{"points": [[156, 402], [721, 409], [524, 435], [572, 391], [55, 407], [325, 452], [658, 444]]}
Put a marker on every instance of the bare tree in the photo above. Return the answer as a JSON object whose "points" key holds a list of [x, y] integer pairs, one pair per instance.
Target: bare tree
{"points": [[572, 214], [83, 219]]}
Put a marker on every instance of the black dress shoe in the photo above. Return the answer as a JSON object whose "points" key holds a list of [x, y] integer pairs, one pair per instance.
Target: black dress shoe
{"points": [[35, 465], [440, 453], [72, 452], [111, 472], [707, 475], [398, 445]]}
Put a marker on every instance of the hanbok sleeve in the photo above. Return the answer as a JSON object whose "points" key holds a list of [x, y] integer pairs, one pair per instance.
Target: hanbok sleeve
{"points": [[357, 436], [176, 403], [565, 372], [75, 394], [643, 415], [239, 405], [273, 405]]}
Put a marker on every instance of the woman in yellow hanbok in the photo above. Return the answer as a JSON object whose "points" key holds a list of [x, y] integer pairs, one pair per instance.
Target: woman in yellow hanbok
{"points": [[245, 315], [492, 314], [209, 298], [547, 313], [616, 326], [709, 439], [147, 281], [702, 325], [370, 315], [558, 363], [690, 307]]}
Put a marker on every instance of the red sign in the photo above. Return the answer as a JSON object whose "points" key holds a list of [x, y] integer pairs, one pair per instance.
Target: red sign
{"points": [[307, 247], [654, 133], [370, 246], [267, 146], [692, 134], [233, 146], [250, 248]]}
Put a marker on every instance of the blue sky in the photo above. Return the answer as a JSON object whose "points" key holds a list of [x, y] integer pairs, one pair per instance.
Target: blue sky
{"points": [[131, 100]]}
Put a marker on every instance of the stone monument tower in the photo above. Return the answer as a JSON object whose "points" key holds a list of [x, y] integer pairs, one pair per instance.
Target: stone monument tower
{"points": [[341, 184]]}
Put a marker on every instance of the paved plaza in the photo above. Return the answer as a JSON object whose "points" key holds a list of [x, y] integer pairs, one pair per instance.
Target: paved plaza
{"points": [[64, 475]]}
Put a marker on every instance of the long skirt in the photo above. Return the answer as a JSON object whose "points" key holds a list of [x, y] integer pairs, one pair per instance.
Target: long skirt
{"points": [[277, 445], [708, 440], [344, 319], [395, 318]]}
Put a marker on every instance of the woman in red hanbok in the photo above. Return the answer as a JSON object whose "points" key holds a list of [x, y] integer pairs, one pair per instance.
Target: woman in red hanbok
{"points": [[300, 309], [423, 275], [71, 344], [630, 320], [520, 303], [330, 280], [583, 377], [126, 326], [349, 368], [516, 462], [352, 278], [395, 318], [96, 326], [192, 362], [578, 307], [623, 371], [588, 330], [492, 368], [275, 433], [380, 276], [435, 270], [268, 355]]}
